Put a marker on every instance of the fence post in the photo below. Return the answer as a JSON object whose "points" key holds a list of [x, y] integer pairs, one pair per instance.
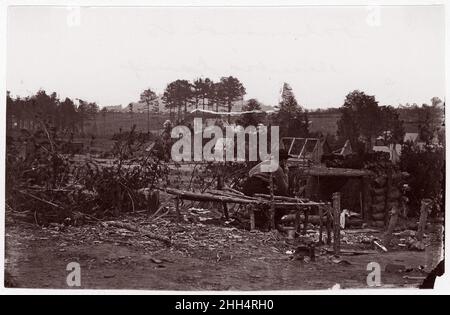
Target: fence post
{"points": [[366, 215], [272, 207], [392, 222], [336, 226], [425, 203], [320, 225], [329, 222]]}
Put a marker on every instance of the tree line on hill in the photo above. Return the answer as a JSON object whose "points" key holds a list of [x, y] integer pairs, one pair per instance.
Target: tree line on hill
{"points": [[178, 97], [362, 118], [363, 121], [30, 111], [204, 93]]}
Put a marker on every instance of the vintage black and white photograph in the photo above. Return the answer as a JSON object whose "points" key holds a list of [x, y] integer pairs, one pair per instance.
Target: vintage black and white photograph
{"points": [[224, 148]]}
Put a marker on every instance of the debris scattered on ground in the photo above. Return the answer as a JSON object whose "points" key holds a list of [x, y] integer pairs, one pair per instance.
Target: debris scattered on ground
{"points": [[156, 261], [128, 226], [340, 261], [394, 268], [361, 231], [416, 245], [406, 233], [380, 246]]}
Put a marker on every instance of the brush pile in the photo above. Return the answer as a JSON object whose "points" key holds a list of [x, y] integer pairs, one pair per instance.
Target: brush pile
{"points": [[44, 185]]}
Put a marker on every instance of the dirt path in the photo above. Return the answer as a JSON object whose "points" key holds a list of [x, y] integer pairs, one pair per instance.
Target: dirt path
{"points": [[206, 257]]}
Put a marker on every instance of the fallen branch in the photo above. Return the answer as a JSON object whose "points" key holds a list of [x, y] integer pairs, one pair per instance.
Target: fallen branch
{"points": [[188, 195], [41, 200], [237, 192], [156, 212], [162, 215], [348, 252], [134, 228], [20, 215], [229, 194], [360, 231], [282, 198]]}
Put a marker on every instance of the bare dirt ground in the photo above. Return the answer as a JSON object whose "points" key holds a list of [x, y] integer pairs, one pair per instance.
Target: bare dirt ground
{"points": [[204, 256]]}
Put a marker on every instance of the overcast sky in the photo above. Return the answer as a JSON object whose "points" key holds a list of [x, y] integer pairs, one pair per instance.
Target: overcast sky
{"points": [[322, 52]]}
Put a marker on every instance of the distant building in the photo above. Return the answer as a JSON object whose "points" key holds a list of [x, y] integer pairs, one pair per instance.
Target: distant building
{"points": [[393, 150], [345, 150], [414, 138]]}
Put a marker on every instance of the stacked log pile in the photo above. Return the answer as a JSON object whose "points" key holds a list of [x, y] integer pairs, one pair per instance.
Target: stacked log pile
{"points": [[385, 192]]}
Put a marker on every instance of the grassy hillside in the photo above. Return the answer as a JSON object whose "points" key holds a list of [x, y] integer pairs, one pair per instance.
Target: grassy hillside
{"points": [[110, 123]]}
